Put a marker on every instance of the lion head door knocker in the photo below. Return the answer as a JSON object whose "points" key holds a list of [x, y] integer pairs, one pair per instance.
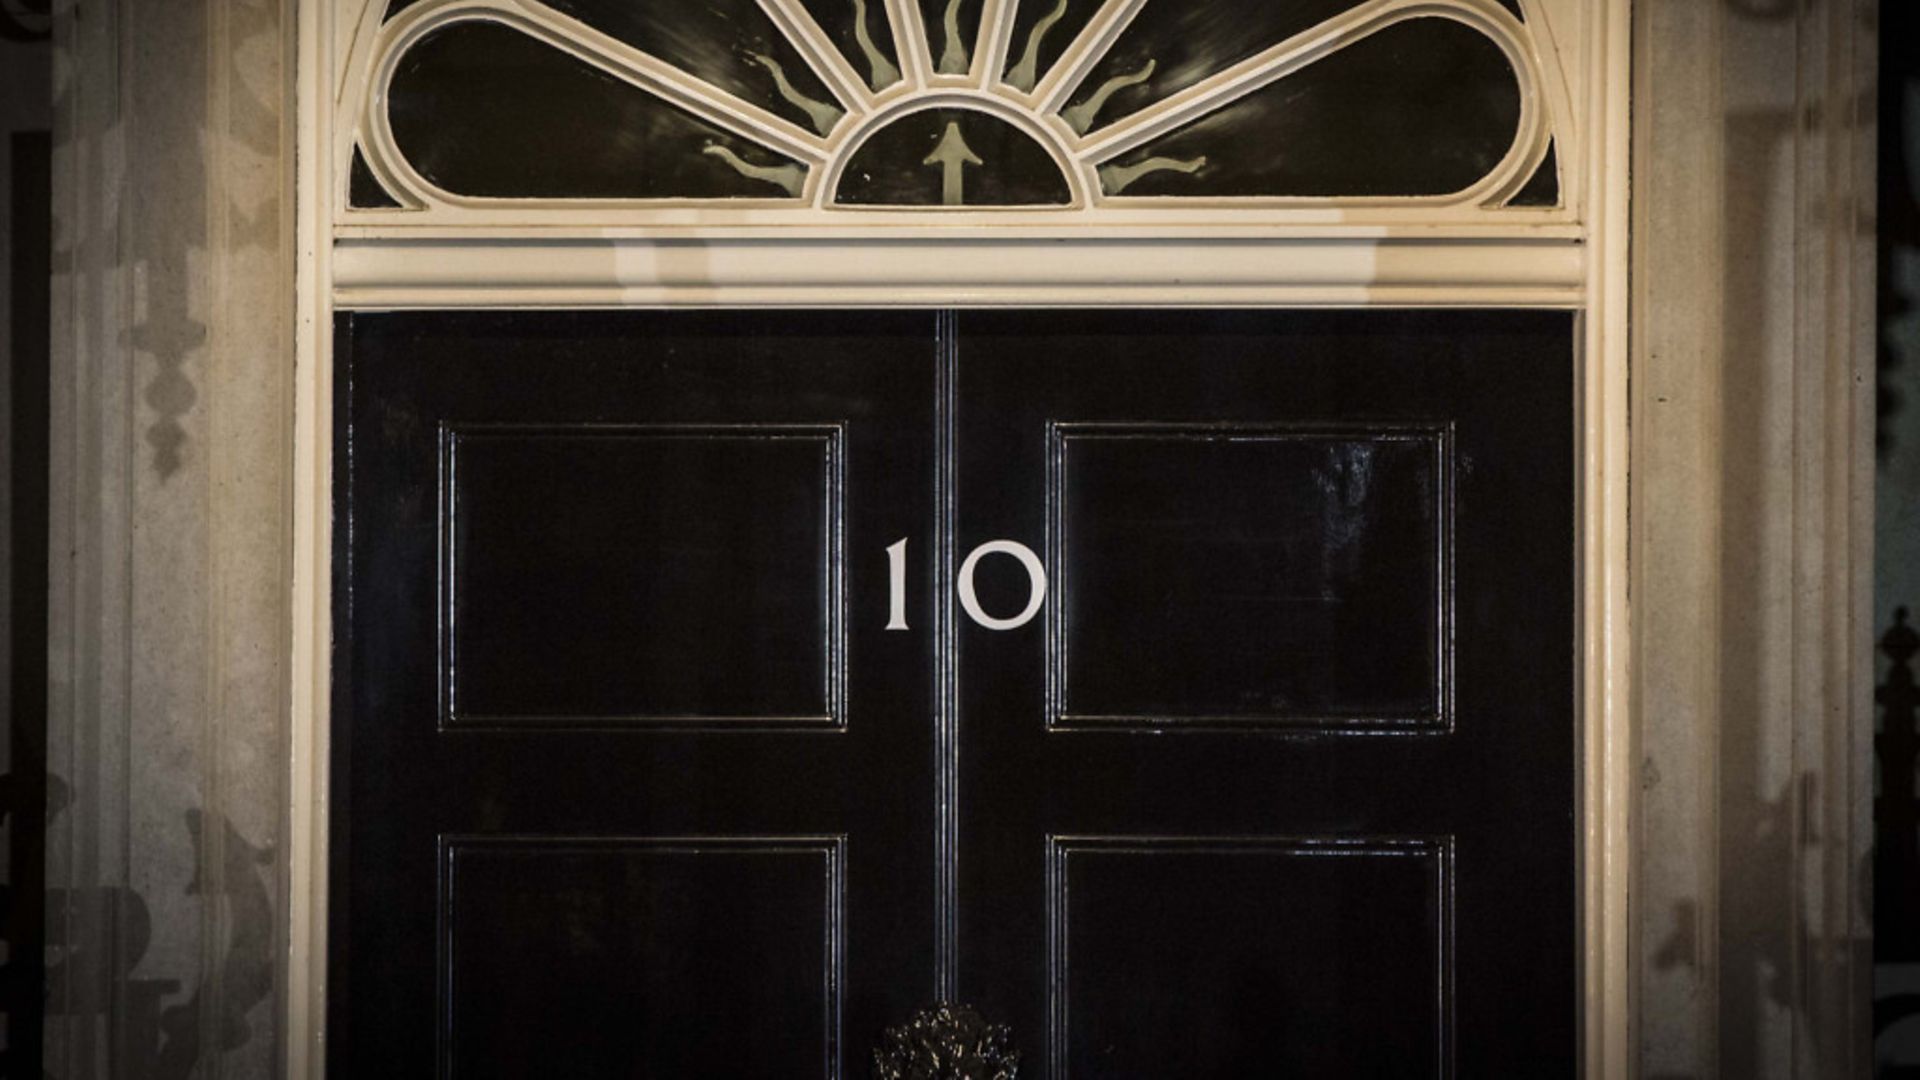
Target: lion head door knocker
{"points": [[948, 1042]]}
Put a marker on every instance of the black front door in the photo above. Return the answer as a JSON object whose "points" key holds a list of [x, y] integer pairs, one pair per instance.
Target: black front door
{"points": [[1191, 692]]}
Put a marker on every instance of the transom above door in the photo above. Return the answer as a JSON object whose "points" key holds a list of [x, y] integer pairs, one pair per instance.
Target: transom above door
{"points": [[888, 112], [1191, 692]]}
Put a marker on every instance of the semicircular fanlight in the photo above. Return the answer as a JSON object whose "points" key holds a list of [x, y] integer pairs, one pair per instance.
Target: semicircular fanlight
{"points": [[955, 104], [939, 157], [1424, 107], [481, 109]]}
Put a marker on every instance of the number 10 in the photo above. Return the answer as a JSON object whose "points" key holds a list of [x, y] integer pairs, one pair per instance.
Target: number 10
{"points": [[969, 601]]}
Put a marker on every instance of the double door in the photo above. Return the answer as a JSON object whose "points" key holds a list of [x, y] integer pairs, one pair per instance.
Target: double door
{"points": [[1190, 692]]}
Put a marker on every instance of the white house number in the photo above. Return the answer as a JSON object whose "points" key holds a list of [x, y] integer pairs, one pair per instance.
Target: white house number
{"points": [[969, 600]]}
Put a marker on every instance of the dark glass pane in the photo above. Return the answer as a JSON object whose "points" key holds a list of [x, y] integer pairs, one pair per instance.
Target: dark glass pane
{"points": [[480, 109], [865, 36], [364, 190], [953, 29], [1042, 30], [1427, 107], [1514, 6], [952, 157], [1544, 188], [395, 7], [1173, 44], [729, 43]]}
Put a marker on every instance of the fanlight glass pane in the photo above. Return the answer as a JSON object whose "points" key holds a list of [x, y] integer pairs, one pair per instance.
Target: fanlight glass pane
{"points": [[729, 43], [1544, 188], [1425, 107], [953, 31], [952, 157], [1042, 30], [480, 109], [364, 190], [864, 35], [1173, 44]]}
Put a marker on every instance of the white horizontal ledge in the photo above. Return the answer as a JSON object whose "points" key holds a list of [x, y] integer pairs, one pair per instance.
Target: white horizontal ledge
{"points": [[390, 272]]}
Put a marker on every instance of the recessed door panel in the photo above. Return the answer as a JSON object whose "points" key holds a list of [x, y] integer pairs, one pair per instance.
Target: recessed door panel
{"points": [[1268, 948], [605, 575], [1322, 547], [591, 956]]}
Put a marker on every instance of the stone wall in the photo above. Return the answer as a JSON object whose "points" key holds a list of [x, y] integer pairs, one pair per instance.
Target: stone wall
{"points": [[1752, 512], [172, 417]]}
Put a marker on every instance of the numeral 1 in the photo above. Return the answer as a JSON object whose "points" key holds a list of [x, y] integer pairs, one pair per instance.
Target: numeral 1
{"points": [[897, 584]]}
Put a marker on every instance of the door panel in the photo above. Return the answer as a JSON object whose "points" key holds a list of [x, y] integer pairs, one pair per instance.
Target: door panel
{"points": [[1297, 734], [1321, 548], [706, 562], [625, 760], [641, 957], [645, 766], [1250, 956]]}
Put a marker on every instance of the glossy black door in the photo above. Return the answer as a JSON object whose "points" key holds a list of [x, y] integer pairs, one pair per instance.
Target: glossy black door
{"points": [[1281, 783], [629, 779], [1222, 723]]}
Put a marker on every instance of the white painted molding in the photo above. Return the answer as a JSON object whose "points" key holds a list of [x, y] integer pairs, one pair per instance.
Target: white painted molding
{"points": [[316, 37], [459, 271], [1605, 613]]}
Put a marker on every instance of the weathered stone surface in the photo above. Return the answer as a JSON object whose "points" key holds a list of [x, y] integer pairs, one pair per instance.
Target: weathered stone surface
{"points": [[172, 421]]}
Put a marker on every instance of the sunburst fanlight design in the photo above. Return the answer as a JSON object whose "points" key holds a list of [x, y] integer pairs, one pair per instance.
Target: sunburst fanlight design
{"points": [[949, 105]]}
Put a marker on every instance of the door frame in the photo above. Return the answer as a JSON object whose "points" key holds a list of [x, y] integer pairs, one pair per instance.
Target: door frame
{"points": [[1580, 266]]}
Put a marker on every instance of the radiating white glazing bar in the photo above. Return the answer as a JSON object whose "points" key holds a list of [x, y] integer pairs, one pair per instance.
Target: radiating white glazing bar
{"points": [[820, 52], [996, 30], [1092, 43], [910, 41]]}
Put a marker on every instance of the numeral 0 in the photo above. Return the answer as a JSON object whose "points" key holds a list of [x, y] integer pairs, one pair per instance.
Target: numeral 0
{"points": [[969, 600]]}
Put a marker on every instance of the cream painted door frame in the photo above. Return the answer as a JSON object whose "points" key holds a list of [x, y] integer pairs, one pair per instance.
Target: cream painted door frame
{"points": [[1574, 258]]}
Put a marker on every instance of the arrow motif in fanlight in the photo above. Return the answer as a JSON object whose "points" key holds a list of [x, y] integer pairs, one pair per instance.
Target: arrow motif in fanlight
{"points": [[953, 155]]}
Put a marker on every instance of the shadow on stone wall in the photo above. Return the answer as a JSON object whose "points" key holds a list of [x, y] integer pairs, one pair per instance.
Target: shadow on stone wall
{"points": [[98, 938]]}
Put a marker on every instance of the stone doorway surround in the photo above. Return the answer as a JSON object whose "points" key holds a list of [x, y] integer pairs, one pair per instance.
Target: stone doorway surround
{"points": [[202, 247]]}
